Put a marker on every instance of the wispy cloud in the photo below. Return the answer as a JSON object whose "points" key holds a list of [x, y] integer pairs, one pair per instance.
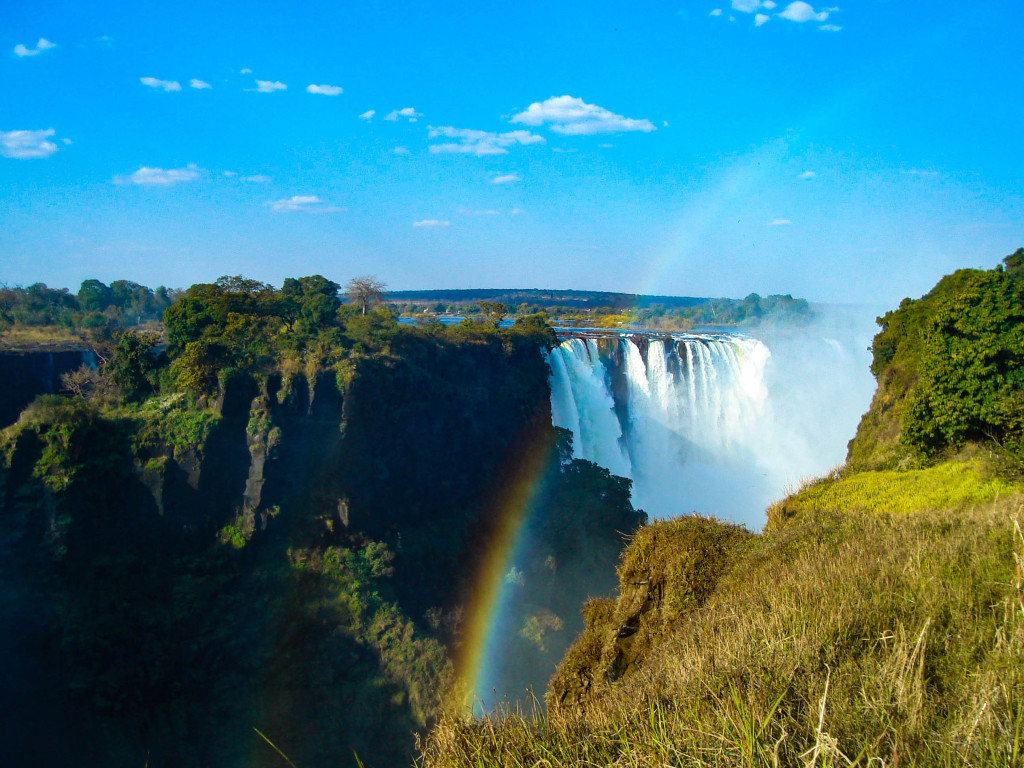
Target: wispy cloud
{"points": [[268, 86], [752, 6], [800, 12], [920, 172], [829, 28], [516, 212], [27, 145], [505, 178], [431, 223], [573, 116], [22, 51], [779, 223], [161, 177], [408, 113], [245, 71], [806, 175], [368, 115], [716, 12], [257, 178], [324, 90], [760, 19], [401, 151], [472, 142], [199, 85], [167, 85], [304, 203]]}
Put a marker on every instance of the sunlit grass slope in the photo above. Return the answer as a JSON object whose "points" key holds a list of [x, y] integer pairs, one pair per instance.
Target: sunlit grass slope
{"points": [[950, 486], [836, 638]]}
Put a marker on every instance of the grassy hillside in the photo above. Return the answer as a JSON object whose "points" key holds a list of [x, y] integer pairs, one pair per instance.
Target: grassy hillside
{"points": [[840, 638]]}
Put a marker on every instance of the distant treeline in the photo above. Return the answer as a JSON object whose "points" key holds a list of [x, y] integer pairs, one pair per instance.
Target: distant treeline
{"points": [[544, 298], [605, 309], [96, 311]]}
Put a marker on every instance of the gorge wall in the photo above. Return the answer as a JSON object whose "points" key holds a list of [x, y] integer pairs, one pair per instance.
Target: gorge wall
{"points": [[294, 557]]}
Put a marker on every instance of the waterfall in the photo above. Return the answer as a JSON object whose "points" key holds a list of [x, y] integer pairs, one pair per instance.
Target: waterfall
{"points": [[688, 417]]}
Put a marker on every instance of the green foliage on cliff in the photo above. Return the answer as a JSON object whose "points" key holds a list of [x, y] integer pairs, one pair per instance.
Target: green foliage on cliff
{"points": [[950, 368]]}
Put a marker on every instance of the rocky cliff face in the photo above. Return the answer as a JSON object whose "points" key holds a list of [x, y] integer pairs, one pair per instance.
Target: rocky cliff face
{"points": [[293, 558]]}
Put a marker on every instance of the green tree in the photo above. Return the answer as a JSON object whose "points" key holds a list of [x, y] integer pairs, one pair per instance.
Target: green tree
{"points": [[133, 366], [971, 365], [495, 311], [94, 295]]}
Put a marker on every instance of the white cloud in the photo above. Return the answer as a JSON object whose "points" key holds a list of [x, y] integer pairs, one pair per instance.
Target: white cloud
{"points": [[245, 71], [716, 12], [431, 223], [472, 142], [167, 85], [746, 6], [257, 178], [408, 113], [779, 223], [489, 212], [43, 45], [919, 172], [506, 178], [829, 28], [66, 142], [806, 175], [760, 19], [768, 4], [199, 85], [574, 117], [306, 203], [368, 115], [401, 151], [800, 11], [268, 86], [516, 212], [27, 145], [230, 174], [325, 90], [160, 177]]}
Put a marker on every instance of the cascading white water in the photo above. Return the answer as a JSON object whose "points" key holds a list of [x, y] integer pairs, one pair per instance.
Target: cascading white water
{"points": [[689, 418]]}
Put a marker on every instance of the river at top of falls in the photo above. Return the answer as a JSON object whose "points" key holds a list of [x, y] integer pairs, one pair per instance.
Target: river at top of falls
{"points": [[719, 424]]}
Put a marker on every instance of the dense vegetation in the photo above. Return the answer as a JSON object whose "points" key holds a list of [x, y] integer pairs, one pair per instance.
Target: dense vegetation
{"points": [[878, 620], [93, 315], [950, 369], [270, 519]]}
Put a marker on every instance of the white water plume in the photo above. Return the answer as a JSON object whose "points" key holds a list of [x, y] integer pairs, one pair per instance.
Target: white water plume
{"points": [[715, 423]]}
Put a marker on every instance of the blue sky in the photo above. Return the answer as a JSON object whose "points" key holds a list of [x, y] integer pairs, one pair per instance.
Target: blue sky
{"points": [[698, 148]]}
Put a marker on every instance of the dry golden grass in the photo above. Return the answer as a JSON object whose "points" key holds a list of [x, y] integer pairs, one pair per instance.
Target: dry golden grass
{"points": [[43, 337], [837, 639]]}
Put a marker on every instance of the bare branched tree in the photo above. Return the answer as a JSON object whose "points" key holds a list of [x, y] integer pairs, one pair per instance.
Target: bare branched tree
{"points": [[80, 382], [365, 289]]}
